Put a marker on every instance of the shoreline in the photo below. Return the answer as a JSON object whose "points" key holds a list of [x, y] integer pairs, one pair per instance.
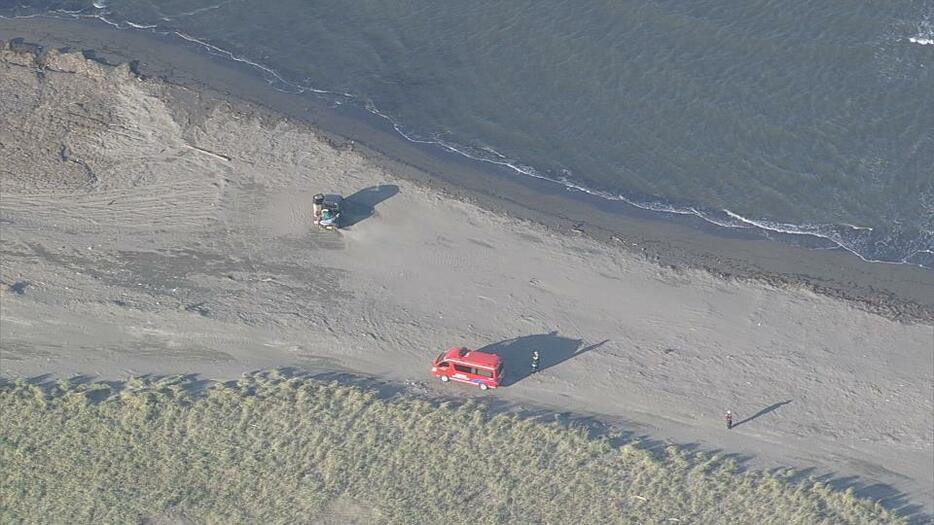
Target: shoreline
{"points": [[827, 235], [899, 292], [207, 266]]}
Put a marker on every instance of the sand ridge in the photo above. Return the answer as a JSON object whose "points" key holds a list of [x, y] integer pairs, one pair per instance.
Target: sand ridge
{"points": [[148, 230]]}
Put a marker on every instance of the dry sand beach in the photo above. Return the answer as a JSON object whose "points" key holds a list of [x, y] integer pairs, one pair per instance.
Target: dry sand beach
{"points": [[153, 228]]}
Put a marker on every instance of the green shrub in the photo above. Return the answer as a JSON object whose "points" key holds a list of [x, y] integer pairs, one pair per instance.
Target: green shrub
{"points": [[274, 450]]}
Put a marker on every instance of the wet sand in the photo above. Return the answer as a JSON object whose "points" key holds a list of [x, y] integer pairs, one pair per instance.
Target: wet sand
{"points": [[161, 227]]}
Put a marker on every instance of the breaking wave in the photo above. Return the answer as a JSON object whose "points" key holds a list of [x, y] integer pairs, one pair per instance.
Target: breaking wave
{"points": [[925, 36]]}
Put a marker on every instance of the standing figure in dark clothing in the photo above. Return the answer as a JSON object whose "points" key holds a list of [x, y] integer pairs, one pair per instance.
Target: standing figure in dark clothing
{"points": [[535, 361], [729, 419]]}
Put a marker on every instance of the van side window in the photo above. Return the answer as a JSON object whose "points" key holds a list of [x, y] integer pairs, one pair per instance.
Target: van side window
{"points": [[443, 364], [461, 368], [483, 372]]}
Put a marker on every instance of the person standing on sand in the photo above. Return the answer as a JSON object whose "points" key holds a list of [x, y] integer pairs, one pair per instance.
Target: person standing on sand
{"points": [[729, 419], [535, 361]]}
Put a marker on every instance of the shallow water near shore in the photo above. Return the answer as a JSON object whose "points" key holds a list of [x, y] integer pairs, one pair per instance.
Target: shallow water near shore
{"points": [[806, 120]]}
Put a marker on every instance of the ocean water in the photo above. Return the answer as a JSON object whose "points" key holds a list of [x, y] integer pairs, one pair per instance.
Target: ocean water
{"points": [[815, 119]]}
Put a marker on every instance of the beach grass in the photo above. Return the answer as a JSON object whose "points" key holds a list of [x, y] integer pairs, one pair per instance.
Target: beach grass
{"points": [[269, 449]]}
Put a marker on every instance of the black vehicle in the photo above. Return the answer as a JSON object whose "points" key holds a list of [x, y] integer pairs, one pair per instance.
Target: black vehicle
{"points": [[327, 210]]}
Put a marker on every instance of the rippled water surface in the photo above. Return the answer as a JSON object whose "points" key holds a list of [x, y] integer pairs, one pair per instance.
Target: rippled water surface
{"points": [[796, 116]]}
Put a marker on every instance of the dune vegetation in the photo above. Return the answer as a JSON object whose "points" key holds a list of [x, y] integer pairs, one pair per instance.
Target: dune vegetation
{"points": [[268, 449]]}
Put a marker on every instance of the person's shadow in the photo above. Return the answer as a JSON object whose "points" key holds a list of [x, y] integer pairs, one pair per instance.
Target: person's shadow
{"points": [[362, 204], [762, 412], [553, 349]]}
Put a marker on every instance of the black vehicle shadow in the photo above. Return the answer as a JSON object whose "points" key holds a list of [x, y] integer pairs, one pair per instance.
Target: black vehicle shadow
{"points": [[362, 204], [762, 412], [553, 349]]}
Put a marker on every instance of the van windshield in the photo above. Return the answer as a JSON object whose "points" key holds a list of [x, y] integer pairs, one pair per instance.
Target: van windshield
{"points": [[439, 358]]}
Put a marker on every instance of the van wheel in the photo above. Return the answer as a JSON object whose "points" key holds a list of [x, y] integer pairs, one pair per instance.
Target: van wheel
{"points": [[445, 379], [483, 386]]}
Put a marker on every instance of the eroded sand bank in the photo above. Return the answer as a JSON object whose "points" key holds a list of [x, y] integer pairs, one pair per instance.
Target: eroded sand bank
{"points": [[151, 228]]}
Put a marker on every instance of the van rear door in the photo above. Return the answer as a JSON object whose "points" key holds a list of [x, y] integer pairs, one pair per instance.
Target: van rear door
{"points": [[483, 372]]}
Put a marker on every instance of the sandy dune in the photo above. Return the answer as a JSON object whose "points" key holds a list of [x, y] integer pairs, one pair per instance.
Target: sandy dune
{"points": [[151, 229]]}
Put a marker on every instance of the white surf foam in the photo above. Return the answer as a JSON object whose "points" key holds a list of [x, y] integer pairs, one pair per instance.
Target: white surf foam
{"points": [[140, 26]]}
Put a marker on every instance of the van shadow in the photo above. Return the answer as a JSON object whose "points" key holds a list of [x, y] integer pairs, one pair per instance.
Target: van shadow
{"points": [[362, 204], [553, 349]]}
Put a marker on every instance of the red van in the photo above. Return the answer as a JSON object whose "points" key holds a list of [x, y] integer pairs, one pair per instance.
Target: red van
{"points": [[468, 366]]}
